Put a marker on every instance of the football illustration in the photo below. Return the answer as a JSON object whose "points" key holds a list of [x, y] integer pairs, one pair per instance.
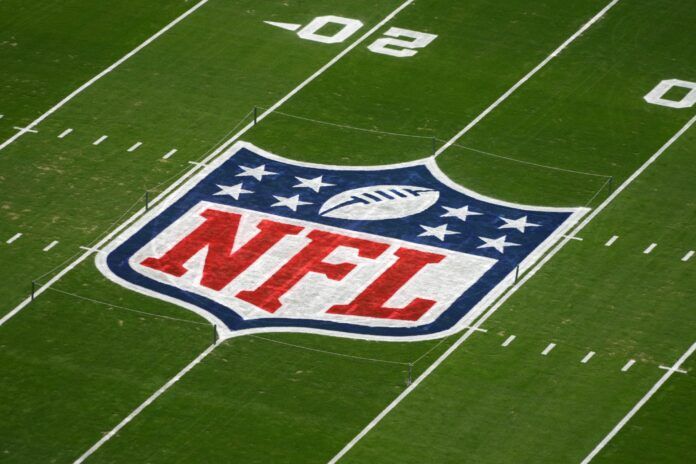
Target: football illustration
{"points": [[379, 202]]}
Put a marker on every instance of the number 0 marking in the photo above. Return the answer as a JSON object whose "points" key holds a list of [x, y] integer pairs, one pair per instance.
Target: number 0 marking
{"points": [[310, 31], [404, 48], [656, 95]]}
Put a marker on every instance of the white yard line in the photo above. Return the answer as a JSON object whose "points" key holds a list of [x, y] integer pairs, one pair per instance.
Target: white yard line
{"points": [[548, 349], [211, 156], [24, 130], [688, 256], [13, 238], [508, 340], [639, 404], [169, 153], [146, 403], [50, 245], [628, 365], [511, 291], [100, 139], [611, 241], [134, 147], [587, 357], [650, 248], [106, 71], [65, 133], [672, 368], [528, 76]]}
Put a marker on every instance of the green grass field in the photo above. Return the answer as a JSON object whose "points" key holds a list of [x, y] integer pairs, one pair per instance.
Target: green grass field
{"points": [[87, 352]]}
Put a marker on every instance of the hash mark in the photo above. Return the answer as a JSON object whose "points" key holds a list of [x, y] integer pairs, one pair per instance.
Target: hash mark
{"points": [[50, 245], [548, 349], [688, 256], [611, 241], [13, 238], [169, 153], [508, 340], [628, 365], [134, 147], [650, 248], [100, 140], [587, 357], [64, 133]]}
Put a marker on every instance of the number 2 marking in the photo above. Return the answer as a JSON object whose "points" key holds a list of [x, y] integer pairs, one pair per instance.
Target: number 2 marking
{"points": [[382, 46]]}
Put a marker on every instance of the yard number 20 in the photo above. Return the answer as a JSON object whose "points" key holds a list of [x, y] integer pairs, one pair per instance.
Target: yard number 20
{"points": [[393, 44]]}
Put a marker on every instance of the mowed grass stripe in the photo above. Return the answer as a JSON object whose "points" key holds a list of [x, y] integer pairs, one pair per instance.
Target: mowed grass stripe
{"points": [[85, 283], [587, 297], [137, 434]]}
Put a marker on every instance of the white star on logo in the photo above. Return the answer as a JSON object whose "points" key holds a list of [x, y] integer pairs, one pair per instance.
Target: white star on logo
{"points": [[439, 232], [498, 243], [315, 184], [257, 172], [290, 202], [460, 213], [519, 224], [233, 191]]}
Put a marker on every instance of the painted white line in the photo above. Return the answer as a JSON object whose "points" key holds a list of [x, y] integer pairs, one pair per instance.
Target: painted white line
{"points": [[672, 368], [198, 164], [688, 256], [169, 153], [611, 241], [146, 403], [50, 245], [286, 26], [587, 357], [509, 340], [92, 249], [106, 71], [64, 133], [134, 147], [571, 237], [548, 348], [528, 76], [2, 116], [24, 130], [100, 140], [211, 156], [639, 405], [650, 248], [628, 365], [13, 238]]}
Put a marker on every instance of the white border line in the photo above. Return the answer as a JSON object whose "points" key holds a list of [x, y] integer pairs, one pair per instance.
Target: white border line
{"points": [[528, 76], [509, 293], [106, 71], [146, 403], [639, 404], [211, 156]]}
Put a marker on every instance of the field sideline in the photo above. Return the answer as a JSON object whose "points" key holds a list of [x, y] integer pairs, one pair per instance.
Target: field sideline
{"points": [[537, 103]]}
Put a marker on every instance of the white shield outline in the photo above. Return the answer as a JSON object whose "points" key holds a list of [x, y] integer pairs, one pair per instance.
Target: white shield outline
{"points": [[224, 332]]}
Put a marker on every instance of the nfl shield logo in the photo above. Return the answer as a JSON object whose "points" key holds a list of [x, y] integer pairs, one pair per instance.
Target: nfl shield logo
{"points": [[257, 242]]}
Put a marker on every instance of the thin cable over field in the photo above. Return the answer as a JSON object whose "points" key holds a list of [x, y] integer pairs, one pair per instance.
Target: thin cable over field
{"points": [[124, 308], [344, 126], [529, 163], [333, 353]]}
